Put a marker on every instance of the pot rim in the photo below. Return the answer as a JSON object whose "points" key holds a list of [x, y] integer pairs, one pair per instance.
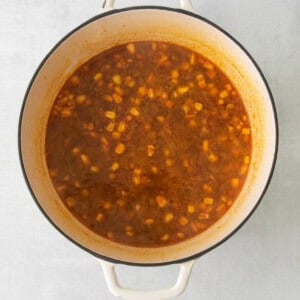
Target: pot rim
{"points": [[191, 14]]}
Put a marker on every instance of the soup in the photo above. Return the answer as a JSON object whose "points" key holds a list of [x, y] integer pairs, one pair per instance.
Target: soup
{"points": [[148, 144]]}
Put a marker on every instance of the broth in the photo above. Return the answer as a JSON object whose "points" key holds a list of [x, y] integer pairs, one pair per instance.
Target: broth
{"points": [[148, 144]]}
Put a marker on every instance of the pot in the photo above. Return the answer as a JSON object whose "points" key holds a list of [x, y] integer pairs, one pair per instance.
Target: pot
{"points": [[116, 26]]}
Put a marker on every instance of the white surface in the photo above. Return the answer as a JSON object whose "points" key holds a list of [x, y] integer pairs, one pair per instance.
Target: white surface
{"points": [[262, 261]]}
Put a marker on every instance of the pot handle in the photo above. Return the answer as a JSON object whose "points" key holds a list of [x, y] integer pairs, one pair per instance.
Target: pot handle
{"points": [[184, 4], [126, 293]]}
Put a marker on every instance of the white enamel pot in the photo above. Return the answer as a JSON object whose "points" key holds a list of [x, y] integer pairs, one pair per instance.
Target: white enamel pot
{"points": [[112, 27]]}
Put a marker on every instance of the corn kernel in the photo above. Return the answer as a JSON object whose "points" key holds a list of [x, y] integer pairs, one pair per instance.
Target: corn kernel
{"points": [[70, 201], [66, 178], [116, 135], [235, 182], [88, 126], [224, 94], [228, 87], [99, 217], [84, 193], [116, 79], [182, 89], [200, 76], [208, 201], [142, 90], [244, 169], [110, 114], [202, 83], [185, 108], [75, 80], [150, 150], [165, 237], [118, 90], [183, 221], [203, 216], [154, 169], [162, 59], [77, 184], [168, 217], [192, 123], [137, 101], [98, 76], [150, 78], [212, 157], [121, 127], [205, 145], [110, 126], [136, 180], [137, 171], [166, 152], [53, 172], [191, 209], [94, 169], [247, 160], [169, 162], [198, 106], [112, 176], [161, 201], [246, 131], [60, 188], [75, 150], [85, 159], [110, 235], [150, 93], [149, 221], [131, 48], [208, 65], [206, 187], [120, 148], [160, 118], [194, 228], [169, 104], [185, 65], [107, 205], [131, 83], [124, 193], [134, 112], [66, 113], [186, 163], [117, 98], [180, 235], [214, 91], [115, 166], [174, 73], [220, 208], [192, 59], [108, 98], [80, 99]]}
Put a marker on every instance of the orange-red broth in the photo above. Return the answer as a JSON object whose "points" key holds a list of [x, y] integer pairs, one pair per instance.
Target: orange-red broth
{"points": [[148, 144]]}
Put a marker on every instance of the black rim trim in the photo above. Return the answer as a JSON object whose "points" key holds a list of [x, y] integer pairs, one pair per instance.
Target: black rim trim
{"points": [[178, 11]]}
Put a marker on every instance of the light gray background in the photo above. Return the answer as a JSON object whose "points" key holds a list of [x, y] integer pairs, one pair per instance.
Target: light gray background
{"points": [[262, 261]]}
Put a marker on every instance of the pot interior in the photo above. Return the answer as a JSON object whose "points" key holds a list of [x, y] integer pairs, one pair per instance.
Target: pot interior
{"points": [[134, 25]]}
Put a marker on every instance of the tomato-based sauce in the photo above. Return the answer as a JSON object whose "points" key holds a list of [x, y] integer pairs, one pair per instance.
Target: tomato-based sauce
{"points": [[148, 144]]}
